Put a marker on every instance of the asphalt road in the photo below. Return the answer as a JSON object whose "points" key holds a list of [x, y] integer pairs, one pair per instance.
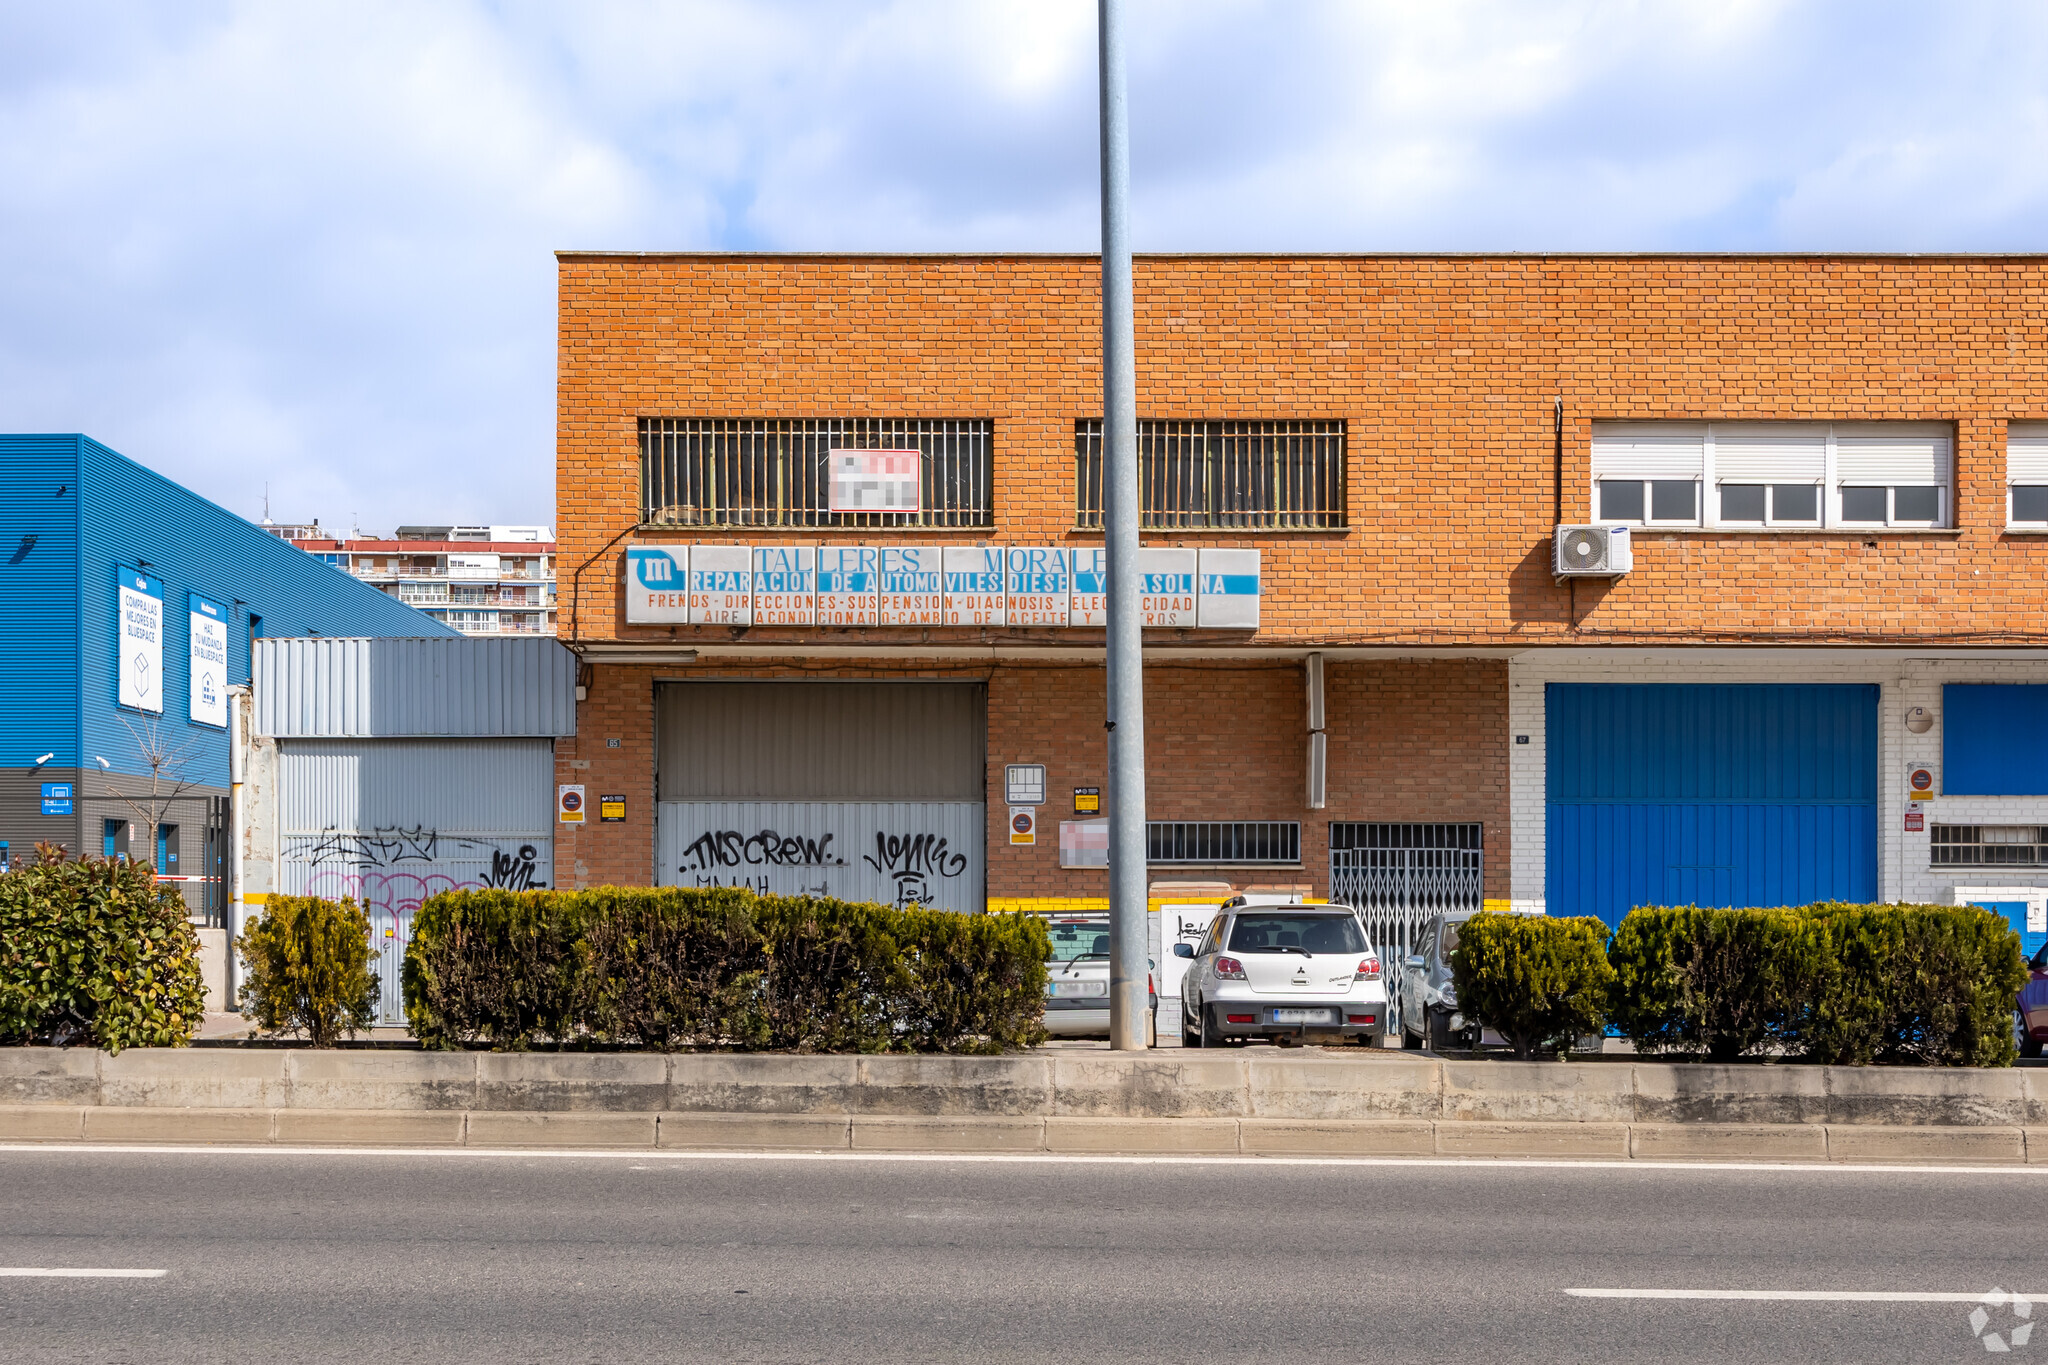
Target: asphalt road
{"points": [[374, 1258]]}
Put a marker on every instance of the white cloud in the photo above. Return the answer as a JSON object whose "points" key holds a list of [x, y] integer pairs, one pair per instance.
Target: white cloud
{"points": [[310, 244]]}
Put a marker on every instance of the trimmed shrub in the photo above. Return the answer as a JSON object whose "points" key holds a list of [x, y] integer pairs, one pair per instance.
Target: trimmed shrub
{"points": [[96, 952], [1916, 985], [975, 983], [680, 967], [309, 968], [1927, 985], [1719, 984], [492, 966], [1541, 983]]}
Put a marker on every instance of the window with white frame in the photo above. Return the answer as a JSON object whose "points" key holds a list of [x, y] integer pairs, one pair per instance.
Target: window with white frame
{"points": [[1775, 475], [2026, 475]]}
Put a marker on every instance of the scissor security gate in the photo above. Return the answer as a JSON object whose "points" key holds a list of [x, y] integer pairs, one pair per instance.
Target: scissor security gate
{"points": [[1397, 875]]}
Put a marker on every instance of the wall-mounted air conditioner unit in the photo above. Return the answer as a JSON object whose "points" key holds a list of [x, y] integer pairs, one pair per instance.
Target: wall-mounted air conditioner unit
{"points": [[1593, 552]]}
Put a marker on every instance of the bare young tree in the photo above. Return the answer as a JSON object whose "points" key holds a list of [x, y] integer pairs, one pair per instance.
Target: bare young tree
{"points": [[167, 782]]}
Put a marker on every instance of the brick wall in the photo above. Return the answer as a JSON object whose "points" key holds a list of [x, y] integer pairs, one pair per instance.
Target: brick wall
{"points": [[1409, 740], [1445, 370]]}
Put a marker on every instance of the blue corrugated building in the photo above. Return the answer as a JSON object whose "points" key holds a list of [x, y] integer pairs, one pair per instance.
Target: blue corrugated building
{"points": [[130, 603]]}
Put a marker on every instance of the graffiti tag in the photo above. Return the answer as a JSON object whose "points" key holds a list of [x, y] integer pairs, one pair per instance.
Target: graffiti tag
{"points": [[731, 848], [912, 860], [515, 871]]}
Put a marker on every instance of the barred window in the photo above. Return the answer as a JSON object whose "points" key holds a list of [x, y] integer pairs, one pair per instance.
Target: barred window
{"points": [[1251, 476], [1233, 842], [741, 472], [1989, 845], [1389, 867]]}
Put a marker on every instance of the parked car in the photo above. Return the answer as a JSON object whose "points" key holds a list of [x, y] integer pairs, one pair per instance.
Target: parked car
{"points": [[1274, 967], [2030, 1011], [1077, 980], [1425, 1000]]}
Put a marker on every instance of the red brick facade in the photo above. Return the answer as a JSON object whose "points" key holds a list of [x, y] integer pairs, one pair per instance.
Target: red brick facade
{"points": [[1445, 370]]}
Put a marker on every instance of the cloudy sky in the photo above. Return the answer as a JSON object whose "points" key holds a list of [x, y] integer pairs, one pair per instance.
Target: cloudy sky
{"points": [[307, 246]]}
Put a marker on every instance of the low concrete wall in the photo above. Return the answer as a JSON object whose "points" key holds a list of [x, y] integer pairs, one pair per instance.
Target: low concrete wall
{"points": [[1310, 1086]]}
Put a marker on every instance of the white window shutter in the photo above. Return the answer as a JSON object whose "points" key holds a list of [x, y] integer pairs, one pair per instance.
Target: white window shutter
{"points": [[1648, 450], [2026, 452], [1770, 452], [1891, 453]]}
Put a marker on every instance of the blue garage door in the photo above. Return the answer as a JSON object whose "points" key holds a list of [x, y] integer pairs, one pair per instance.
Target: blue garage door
{"points": [[1681, 795]]}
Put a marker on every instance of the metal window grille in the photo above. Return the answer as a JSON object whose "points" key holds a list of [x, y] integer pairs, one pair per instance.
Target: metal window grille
{"points": [[1398, 875], [1255, 476], [1222, 841], [1989, 845], [743, 472]]}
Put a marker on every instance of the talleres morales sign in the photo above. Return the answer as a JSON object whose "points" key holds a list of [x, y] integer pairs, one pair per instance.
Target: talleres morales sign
{"points": [[931, 585]]}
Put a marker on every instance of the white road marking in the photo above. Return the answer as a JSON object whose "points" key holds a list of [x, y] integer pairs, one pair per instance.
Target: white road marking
{"points": [[41, 1272], [1790, 1295], [1024, 1158]]}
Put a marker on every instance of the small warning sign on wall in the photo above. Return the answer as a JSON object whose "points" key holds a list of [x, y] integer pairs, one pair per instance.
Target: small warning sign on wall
{"points": [[1023, 827], [569, 804]]}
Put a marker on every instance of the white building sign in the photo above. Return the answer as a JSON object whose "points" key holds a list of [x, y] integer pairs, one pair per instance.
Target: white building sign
{"points": [[974, 586], [925, 585], [657, 584], [1039, 586], [785, 585], [912, 590], [209, 670], [140, 640], [1090, 596], [721, 585], [1227, 590], [1167, 587], [876, 480], [846, 585]]}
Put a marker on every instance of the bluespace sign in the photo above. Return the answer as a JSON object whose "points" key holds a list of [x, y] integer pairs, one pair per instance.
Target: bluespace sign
{"points": [[139, 643], [209, 672]]}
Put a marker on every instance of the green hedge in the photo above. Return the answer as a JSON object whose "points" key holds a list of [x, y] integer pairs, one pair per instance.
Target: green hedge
{"points": [[96, 952], [677, 967], [1541, 983], [309, 968], [1927, 985]]}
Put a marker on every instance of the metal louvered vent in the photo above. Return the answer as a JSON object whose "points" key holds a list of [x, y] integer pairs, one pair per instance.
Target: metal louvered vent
{"points": [[1593, 551]]}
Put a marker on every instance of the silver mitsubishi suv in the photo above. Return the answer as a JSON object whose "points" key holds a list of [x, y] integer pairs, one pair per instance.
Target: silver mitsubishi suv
{"points": [[1274, 967]]}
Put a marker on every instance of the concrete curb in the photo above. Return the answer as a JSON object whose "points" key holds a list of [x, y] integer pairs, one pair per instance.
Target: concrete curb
{"points": [[1304, 1086], [1820, 1144]]}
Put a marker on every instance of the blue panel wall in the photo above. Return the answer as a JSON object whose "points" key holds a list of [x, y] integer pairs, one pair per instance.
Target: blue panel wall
{"points": [[1994, 740], [130, 514], [39, 600], [1709, 795]]}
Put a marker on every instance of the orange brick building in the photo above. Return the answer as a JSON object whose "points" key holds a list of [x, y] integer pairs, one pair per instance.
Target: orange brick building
{"points": [[1828, 468]]}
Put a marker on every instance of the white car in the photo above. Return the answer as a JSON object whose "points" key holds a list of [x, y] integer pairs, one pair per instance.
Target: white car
{"points": [[1274, 967], [1077, 980]]}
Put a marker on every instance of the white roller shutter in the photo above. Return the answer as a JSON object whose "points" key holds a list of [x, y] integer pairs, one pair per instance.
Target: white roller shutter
{"points": [[1770, 452], [1892, 453], [2026, 453], [1649, 450]]}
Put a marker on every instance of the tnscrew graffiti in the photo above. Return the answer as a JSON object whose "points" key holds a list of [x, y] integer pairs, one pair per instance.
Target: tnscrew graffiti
{"points": [[911, 861], [732, 848]]}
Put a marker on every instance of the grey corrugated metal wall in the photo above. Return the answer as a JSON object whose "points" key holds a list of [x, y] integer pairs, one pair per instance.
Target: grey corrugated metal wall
{"points": [[389, 822], [388, 688], [828, 741], [902, 852]]}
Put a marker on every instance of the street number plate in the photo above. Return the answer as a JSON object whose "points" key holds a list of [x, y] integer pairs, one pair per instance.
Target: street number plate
{"points": [[1303, 1017]]}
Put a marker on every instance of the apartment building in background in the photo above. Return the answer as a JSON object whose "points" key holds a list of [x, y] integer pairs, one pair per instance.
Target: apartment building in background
{"points": [[1567, 582], [481, 580]]}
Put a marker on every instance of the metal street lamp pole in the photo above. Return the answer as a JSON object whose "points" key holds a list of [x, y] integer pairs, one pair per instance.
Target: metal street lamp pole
{"points": [[1126, 715]]}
